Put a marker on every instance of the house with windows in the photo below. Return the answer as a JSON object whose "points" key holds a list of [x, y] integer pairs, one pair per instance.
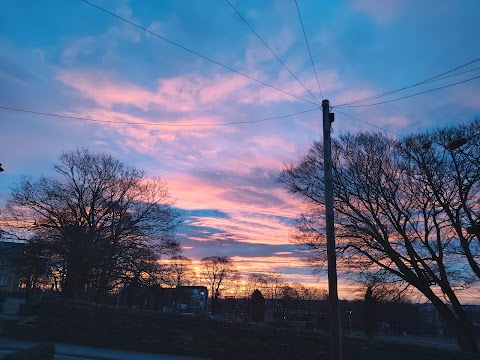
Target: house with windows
{"points": [[191, 299], [10, 252]]}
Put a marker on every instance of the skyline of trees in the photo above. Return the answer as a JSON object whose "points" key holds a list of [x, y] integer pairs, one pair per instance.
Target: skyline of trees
{"points": [[468, 153]]}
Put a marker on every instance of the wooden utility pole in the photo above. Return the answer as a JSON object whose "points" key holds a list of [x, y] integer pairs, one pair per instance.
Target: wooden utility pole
{"points": [[334, 311]]}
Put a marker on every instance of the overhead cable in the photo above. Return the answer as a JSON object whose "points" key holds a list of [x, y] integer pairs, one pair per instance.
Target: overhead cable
{"points": [[308, 47], [268, 47], [194, 52], [366, 122], [434, 78], [154, 124], [408, 96]]}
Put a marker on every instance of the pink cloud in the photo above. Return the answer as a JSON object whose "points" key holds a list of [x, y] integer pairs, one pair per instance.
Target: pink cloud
{"points": [[251, 223], [100, 87], [177, 94], [222, 87], [328, 80], [81, 46], [466, 95], [266, 95], [271, 141], [397, 121], [182, 151], [120, 120], [185, 93], [379, 10], [192, 146], [248, 227], [268, 263], [352, 95]]}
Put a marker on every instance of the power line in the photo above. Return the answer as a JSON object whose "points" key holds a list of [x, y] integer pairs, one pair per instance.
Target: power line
{"points": [[308, 47], [449, 76], [268, 47], [194, 52], [409, 96], [154, 124], [366, 122], [434, 78]]}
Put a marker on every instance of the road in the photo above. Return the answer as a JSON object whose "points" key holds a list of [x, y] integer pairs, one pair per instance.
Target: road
{"points": [[78, 352]]}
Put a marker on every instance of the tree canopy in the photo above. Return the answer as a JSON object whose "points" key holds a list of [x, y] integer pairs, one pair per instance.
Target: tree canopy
{"points": [[101, 222], [218, 272], [179, 271], [406, 207]]}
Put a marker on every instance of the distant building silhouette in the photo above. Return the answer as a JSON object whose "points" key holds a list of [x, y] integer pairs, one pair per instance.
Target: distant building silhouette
{"points": [[10, 254]]}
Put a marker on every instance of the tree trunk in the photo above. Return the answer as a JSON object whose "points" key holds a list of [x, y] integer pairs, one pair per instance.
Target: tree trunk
{"points": [[73, 285], [462, 330], [214, 304]]}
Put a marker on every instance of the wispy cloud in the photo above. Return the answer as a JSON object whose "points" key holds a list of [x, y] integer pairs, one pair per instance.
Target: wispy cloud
{"points": [[177, 94], [380, 11]]}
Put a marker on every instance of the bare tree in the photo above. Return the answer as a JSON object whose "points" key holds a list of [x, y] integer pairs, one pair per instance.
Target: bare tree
{"points": [[104, 222], [273, 285], [314, 293], [218, 272], [388, 219], [179, 271], [256, 282], [383, 288], [269, 284], [298, 297], [452, 177], [378, 289]]}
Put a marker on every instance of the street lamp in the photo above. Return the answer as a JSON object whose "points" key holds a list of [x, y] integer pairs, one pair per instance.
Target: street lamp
{"points": [[349, 312]]}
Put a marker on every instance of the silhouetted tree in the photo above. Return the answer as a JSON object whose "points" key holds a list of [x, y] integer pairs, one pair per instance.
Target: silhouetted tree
{"points": [[388, 217], [103, 221], [297, 297], [289, 298], [179, 271], [369, 314], [269, 284], [218, 272], [258, 306], [33, 267], [451, 177]]}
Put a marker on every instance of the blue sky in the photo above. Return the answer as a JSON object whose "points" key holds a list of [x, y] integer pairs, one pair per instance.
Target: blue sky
{"points": [[70, 58]]}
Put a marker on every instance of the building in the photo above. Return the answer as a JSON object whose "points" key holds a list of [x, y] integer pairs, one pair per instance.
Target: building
{"points": [[10, 253], [191, 299]]}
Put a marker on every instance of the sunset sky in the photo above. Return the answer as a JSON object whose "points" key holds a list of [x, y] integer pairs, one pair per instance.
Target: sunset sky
{"points": [[169, 111]]}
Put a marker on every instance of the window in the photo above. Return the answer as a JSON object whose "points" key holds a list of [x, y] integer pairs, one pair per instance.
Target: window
{"points": [[4, 264], [3, 281]]}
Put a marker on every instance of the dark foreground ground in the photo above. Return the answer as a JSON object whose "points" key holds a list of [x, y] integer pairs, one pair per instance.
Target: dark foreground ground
{"points": [[36, 350], [159, 333]]}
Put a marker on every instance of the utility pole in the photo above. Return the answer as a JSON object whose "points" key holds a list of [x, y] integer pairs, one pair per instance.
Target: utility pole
{"points": [[334, 311]]}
